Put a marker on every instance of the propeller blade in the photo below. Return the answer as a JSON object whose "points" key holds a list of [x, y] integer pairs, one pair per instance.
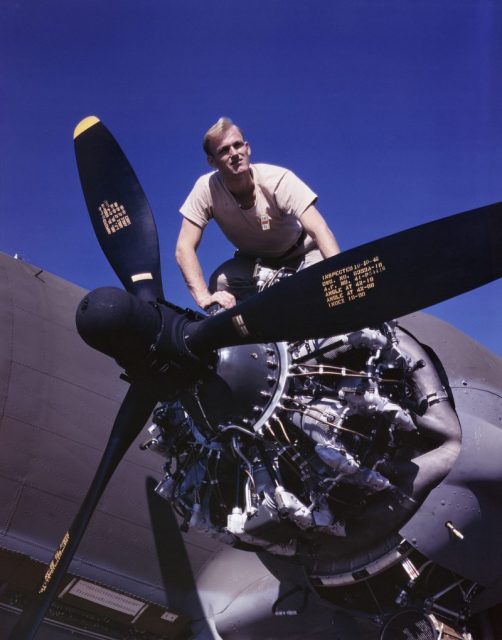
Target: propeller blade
{"points": [[133, 414], [367, 285], [119, 211]]}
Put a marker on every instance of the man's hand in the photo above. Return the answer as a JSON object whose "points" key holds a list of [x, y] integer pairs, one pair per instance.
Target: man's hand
{"points": [[186, 247], [223, 298]]}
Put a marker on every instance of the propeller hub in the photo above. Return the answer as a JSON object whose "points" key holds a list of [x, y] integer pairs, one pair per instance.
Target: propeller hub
{"points": [[247, 382], [118, 324]]}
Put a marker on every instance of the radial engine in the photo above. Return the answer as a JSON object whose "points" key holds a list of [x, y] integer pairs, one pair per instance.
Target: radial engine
{"points": [[318, 451]]}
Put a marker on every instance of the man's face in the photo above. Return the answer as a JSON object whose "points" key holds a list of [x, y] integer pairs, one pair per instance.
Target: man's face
{"points": [[230, 153]]}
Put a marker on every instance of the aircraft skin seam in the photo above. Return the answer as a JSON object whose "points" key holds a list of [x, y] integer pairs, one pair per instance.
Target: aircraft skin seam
{"points": [[9, 358], [481, 389], [239, 593], [66, 381], [14, 508]]}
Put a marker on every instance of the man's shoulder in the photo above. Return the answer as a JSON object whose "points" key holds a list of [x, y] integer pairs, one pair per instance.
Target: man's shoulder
{"points": [[200, 198], [269, 174], [206, 185], [269, 169], [206, 179], [274, 178]]}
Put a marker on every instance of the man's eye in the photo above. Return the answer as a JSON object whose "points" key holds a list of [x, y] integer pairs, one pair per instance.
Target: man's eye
{"points": [[238, 145], [224, 151]]}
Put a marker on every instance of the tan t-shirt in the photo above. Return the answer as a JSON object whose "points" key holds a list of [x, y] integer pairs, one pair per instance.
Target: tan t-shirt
{"points": [[271, 227]]}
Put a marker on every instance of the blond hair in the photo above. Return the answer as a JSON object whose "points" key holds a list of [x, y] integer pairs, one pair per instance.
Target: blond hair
{"points": [[217, 129]]}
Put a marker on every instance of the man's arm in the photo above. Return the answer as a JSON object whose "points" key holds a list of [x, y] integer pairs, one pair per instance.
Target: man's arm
{"points": [[186, 246], [315, 225]]}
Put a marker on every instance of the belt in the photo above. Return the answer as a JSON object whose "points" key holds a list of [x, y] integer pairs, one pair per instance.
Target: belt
{"points": [[292, 249], [277, 260]]}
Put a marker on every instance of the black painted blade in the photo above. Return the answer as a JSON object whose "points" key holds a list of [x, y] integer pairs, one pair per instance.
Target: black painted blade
{"points": [[133, 414], [366, 285], [119, 210]]}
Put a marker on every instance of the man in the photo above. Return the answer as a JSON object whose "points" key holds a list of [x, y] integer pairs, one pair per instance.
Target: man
{"points": [[265, 211]]}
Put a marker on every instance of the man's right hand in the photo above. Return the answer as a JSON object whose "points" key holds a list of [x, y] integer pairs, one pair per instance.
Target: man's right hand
{"points": [[186, 247], [223, 298]]}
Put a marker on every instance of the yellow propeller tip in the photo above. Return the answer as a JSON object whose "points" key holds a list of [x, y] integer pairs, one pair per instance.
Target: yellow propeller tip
{"points": [[84, 124]]}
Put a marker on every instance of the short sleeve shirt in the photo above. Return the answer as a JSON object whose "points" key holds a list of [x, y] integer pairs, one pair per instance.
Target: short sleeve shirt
{"points": [[268, 229]]}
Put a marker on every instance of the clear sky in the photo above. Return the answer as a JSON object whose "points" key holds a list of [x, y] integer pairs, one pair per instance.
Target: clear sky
{"points": [[391, 110]]}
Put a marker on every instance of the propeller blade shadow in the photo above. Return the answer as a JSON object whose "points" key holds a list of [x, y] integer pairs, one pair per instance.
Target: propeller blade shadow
{"points": [[176, 572]]}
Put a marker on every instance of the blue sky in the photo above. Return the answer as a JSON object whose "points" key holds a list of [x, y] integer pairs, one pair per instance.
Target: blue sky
{"points": [[389, 109]]}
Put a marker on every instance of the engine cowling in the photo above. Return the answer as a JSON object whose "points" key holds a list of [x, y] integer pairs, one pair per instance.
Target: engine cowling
{"points": [[320, 449]]}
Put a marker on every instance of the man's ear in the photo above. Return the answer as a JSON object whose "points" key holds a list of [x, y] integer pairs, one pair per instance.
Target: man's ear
{"points": [[210, 160], [249, 147]]}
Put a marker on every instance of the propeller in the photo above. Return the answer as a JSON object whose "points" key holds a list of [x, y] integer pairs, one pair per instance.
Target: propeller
{"points": [[119, 210], [367, 285], [162, 347], [126, 231]]}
